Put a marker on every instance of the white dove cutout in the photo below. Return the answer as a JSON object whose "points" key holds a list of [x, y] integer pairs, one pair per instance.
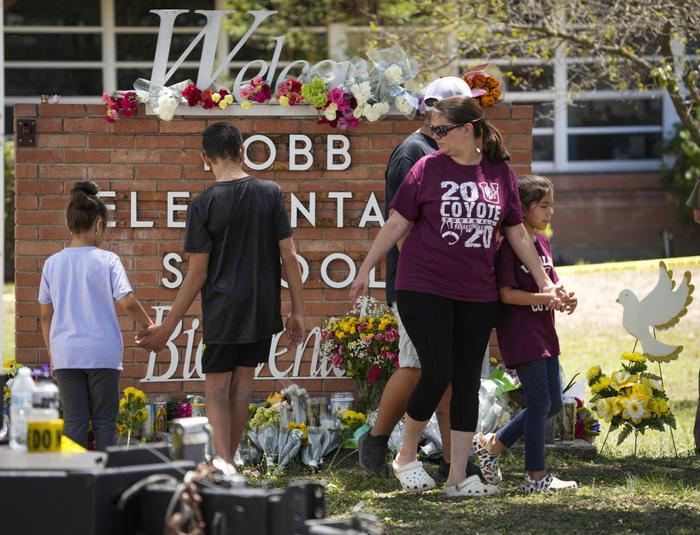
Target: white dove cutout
{"points": [[661, 309]]}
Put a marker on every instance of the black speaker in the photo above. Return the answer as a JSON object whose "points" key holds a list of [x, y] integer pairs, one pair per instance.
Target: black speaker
{"points": [[75, 503], [155, 453], [241, 511]]}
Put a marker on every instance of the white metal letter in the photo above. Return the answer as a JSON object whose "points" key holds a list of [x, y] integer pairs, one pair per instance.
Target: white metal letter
{"points": [[343, 150], [172, 208], [295, 151]]}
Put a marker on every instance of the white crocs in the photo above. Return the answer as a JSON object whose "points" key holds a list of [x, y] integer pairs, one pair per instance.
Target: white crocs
{"points": [[472, 487], [413, 477]]}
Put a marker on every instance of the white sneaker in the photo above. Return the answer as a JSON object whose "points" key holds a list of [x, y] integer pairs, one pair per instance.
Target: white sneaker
{"points": [[471, 487], [548, 483]]}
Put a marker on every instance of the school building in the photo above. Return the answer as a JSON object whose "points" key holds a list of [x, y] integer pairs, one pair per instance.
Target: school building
{"points": [[603, 149]]}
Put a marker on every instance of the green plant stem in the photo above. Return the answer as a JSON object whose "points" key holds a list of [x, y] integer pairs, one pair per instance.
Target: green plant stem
{"points": [[673, 440]]}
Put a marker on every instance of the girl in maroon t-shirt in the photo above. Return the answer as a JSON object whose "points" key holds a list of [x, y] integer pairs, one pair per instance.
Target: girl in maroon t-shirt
{"points": [[528, 342], [450, 204]]}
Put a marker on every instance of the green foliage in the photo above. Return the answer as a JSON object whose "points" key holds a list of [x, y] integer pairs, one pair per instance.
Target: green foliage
{"points": [[679, 179], [293, 19], [9, 151], [626, 430]]}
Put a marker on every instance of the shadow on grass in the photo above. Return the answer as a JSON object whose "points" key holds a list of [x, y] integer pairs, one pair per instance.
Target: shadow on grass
{"points": [[622, 495]]}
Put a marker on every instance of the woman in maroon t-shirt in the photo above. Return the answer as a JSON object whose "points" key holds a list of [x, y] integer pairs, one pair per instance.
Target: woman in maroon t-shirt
{"points": [[451, 204]]}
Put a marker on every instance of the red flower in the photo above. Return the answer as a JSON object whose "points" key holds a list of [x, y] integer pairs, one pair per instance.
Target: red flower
{"points": [[192, 94], [374, 373], [207, 102]]}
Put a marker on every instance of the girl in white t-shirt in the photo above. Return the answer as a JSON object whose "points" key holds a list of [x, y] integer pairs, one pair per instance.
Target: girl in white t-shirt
{"points": [[79, 289]]}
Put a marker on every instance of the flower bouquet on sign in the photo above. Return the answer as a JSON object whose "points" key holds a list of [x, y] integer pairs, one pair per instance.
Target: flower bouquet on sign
{"points": [[257, 91], [365, 343], [339, 110], [121, 103], [486, 89], [289, 92], [630, 398], [395, 68]]}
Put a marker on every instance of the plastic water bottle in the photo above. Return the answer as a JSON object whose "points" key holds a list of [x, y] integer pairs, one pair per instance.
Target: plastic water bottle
{"points": [[46, 395], [21, 399]]}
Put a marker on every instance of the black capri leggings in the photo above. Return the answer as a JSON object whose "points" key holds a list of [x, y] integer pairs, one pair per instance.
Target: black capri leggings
{"points": [[450, 337]]}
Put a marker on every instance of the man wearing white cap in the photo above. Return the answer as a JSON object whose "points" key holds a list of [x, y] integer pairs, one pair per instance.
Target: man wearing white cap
{"points": [[373, 445]]}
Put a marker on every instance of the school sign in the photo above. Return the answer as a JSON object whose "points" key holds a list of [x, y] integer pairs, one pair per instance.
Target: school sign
{"points": [[148, 170]]}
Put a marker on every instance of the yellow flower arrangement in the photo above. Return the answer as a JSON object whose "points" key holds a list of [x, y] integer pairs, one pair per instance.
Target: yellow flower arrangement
{"points": [[633, 357], [601, 384], [365, 343], [132, 412], [351, 420], [593, 372], [631, 398]]}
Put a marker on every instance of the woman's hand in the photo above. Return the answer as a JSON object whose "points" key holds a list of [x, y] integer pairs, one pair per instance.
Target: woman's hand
{"points": [[360, 286]]}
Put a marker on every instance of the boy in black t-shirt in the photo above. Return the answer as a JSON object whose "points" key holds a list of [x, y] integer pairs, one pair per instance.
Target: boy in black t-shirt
{"points": [[237, 231]]}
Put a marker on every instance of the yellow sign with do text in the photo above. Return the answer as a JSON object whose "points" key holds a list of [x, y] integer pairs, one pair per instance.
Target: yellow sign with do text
{"points": [[44, 436]]}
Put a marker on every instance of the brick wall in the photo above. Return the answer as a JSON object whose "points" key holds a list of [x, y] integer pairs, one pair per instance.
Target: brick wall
{"points": [[616, 216], [151, 157]]}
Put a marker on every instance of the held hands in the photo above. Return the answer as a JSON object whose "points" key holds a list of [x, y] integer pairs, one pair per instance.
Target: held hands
{"points": [[560, 300], [295, 330], [153, 337]]}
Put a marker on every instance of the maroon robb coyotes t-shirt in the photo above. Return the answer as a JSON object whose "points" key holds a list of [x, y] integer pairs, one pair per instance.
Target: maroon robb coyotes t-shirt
{"points": [[525, 332], [456, 210]]}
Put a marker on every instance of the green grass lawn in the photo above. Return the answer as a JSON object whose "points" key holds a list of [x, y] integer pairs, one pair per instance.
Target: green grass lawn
{"points": [[652, 493]]}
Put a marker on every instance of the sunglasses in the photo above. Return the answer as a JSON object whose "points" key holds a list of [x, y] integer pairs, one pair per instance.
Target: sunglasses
{"points": [[443, 129]]}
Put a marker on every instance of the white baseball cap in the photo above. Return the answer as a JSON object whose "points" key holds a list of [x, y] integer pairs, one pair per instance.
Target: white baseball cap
{"points": [[445, 87]]}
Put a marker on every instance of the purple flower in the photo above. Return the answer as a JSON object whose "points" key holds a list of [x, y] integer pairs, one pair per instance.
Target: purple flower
{"points": [[337, 95]]}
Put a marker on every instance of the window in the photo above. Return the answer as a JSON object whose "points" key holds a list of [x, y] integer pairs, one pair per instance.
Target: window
{"points": [[615, 112], [53, 47], [142, 46], [137, 12], [615, 147], [64, 82], [542, 148], [52, 13]]}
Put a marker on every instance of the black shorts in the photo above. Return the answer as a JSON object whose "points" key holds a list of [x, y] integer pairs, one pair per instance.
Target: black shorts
{"points": [[220, 358]]}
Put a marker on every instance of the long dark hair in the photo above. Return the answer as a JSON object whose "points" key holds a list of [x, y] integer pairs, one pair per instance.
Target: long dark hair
{"points": [[532, 189], [463, 110], [84, 207]]}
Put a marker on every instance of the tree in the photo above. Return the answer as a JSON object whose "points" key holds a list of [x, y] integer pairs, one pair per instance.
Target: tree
{"points": [[634, 44], [293, 19]]}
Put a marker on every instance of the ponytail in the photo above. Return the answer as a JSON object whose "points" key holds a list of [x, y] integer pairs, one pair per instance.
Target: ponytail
{"points": [[494, 146]]}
